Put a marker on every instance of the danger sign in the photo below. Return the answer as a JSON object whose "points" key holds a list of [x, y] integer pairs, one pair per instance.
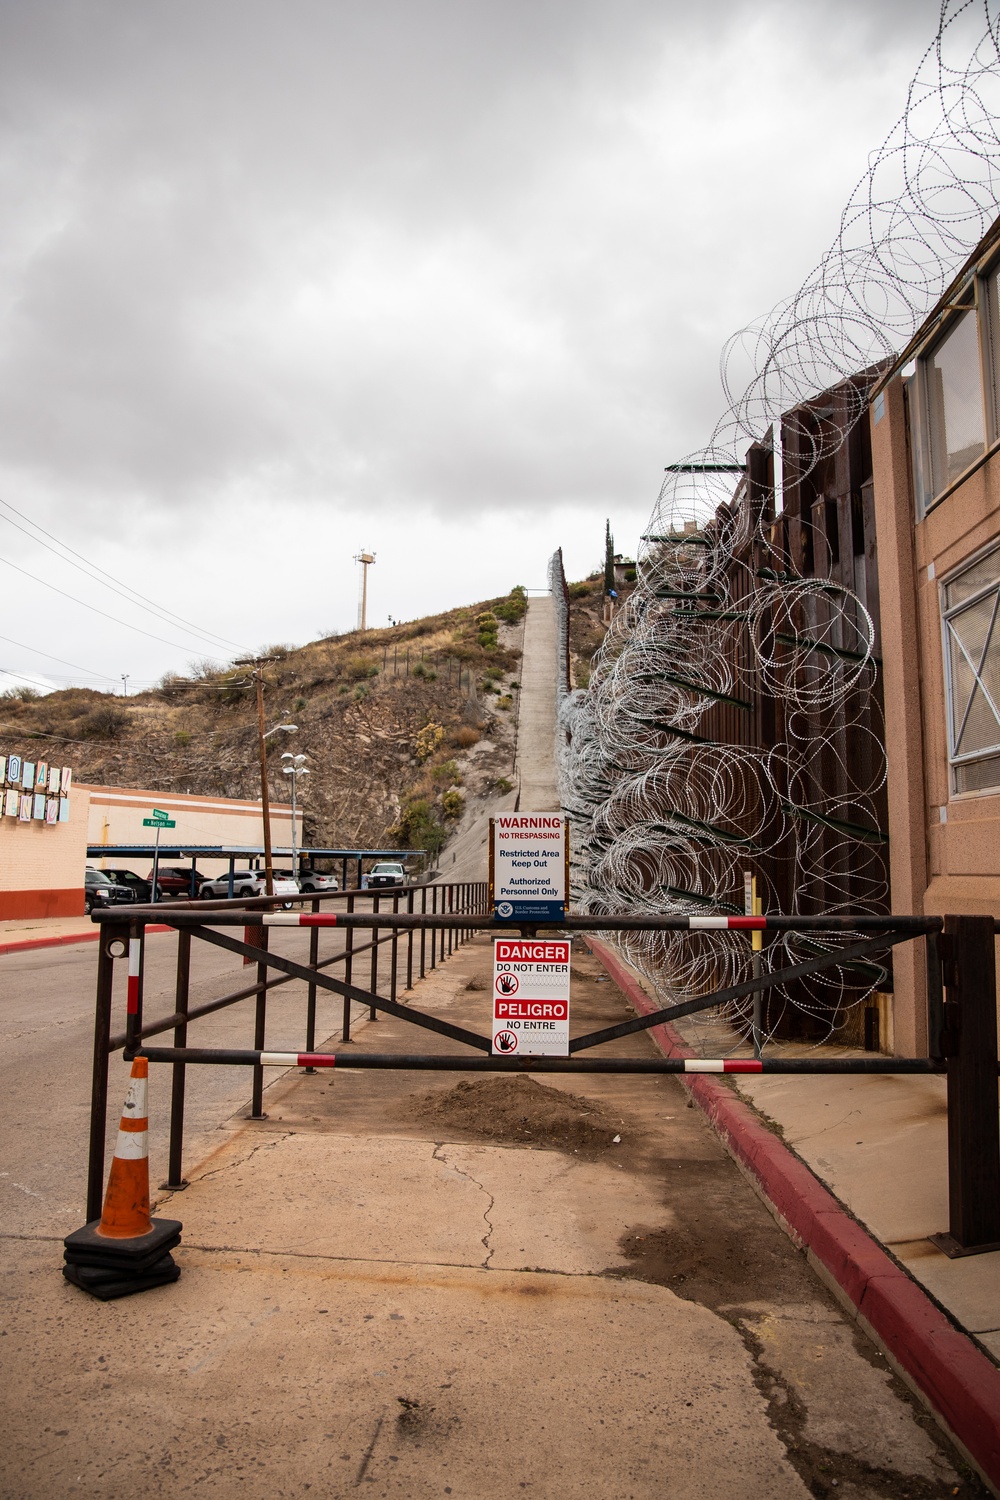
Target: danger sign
{"points": [[530, 997]]}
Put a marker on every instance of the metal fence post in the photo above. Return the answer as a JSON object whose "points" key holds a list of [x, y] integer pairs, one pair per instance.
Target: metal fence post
{"points": [[99, 1079], [394, 952], [423, 930], [175, 1178], [311, 990], [259, 1030], [348, 973], [970, 1046], [434, 932], [409, 943], [133, 1004], [935, 995], [373, 986]]}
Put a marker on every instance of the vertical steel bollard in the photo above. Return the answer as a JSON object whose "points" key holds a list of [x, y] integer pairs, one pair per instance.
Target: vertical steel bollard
{"points": [[394, 953], [450, 904], [970, 1046], [423, 930], [434, 912], [175, 1182], [311, 991], [373, 986], [99, 1078], [935, 994], [409, 943], [259, 1031], [133, 1003], [348, 972]]}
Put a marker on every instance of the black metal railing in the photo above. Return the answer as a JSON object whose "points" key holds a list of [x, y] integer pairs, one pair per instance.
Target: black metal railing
{"points": [[962, 1017]]}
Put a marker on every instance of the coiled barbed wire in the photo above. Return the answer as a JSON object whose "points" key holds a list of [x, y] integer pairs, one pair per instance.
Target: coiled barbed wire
{"points": [[664, 817]]}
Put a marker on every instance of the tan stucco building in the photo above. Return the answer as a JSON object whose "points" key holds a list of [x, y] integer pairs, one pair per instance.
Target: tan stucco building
{"points": [[935, 427], [47, 826], [43, 840], [115, 816]]}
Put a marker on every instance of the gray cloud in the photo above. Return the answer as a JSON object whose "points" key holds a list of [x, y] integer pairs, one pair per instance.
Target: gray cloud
{"points": [[426, 256]]}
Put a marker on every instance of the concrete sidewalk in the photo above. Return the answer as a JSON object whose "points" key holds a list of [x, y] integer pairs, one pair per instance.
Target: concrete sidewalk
{"points": [[378, 1293], [879, 1145], [54, 932], [44, 932], [467, 855], [536, 754]]}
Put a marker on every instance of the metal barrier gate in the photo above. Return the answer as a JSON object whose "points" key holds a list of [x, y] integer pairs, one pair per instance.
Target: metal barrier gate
{"points": [[432, 920]]}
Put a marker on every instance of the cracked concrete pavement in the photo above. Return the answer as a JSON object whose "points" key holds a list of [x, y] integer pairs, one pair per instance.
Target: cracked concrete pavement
{"points": [[373, 1300]]}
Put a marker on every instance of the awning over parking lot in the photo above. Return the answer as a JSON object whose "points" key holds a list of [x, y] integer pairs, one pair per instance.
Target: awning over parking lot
{"points": [[251, 856]]}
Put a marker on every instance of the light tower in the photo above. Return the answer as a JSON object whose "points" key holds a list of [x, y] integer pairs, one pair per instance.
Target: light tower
{"points": [[365, 559]]}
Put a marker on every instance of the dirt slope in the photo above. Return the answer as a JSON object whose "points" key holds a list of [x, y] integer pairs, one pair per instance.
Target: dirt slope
{"points": [[401, 727]]}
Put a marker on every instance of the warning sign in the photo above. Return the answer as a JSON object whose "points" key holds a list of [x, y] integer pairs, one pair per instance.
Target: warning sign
{"points": [[530, 997], [528, 856]]}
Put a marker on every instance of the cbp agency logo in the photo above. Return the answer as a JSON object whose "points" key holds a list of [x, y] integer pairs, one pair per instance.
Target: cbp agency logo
{"points": [[505, 909]]}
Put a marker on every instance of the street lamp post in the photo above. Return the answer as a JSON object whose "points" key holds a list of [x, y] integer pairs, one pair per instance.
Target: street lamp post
{"points": [[294, 769], [257, 674]]}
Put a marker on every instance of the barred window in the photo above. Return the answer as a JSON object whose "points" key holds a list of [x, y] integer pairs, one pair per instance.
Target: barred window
{"points": [[953, 390], [971, 602], [954, 402]]}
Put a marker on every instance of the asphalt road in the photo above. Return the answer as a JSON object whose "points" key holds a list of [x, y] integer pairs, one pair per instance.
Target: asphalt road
{"points": [[46, 1027]]}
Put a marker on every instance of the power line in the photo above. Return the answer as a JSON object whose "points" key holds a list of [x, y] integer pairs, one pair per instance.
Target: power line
{"points": [[9, 672], [101, 676], [35, 579], [167, 616]]}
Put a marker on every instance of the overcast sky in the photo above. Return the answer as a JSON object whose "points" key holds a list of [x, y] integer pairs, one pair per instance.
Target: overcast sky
{"points": [[447, 279]]}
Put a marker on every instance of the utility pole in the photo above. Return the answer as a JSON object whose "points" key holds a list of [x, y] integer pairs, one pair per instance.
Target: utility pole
{"points": [[365, 559], [125, 678], [257, 665], [265, 801]]}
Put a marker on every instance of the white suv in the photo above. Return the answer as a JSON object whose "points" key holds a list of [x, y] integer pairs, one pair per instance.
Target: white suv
{"points": [[246, 883]]}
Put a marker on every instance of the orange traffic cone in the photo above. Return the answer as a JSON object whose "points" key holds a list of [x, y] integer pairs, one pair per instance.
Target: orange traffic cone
{"points": [[126, 1203], [125, 1250]]}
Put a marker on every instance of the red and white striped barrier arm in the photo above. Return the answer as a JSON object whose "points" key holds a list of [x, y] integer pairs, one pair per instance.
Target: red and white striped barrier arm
{"points": [[695, 924], [733, 924], [298, 1059], [723, 1065], [690, 1064], [300, 919], [134, 959]]}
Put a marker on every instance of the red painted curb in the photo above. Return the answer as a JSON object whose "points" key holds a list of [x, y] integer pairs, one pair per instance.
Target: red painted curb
{"points": [[958, 1380], [62, 941]]}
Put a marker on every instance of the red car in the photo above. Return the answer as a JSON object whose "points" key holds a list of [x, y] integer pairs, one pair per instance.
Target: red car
{"points": [[174, 880]]}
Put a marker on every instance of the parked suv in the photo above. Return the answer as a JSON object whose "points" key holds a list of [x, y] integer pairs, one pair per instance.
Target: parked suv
{"points": [[311, 882], [386, 872], [98, 890], [246, 883], [142, 890], [174, 880]]}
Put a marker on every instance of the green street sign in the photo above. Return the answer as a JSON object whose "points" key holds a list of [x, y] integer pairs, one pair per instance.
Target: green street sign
{"points": [[159, 813], [159, 823]]}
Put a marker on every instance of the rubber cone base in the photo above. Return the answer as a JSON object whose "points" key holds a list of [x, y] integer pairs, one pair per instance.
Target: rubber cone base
{"points": [[114, 1268], [110, 1284]]}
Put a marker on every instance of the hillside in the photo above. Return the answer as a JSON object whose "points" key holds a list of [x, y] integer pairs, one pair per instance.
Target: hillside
{"points": [[407, 729]]}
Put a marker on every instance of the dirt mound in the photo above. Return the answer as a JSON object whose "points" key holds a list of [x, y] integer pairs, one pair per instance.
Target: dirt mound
{"points": [[521, 1110]]}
